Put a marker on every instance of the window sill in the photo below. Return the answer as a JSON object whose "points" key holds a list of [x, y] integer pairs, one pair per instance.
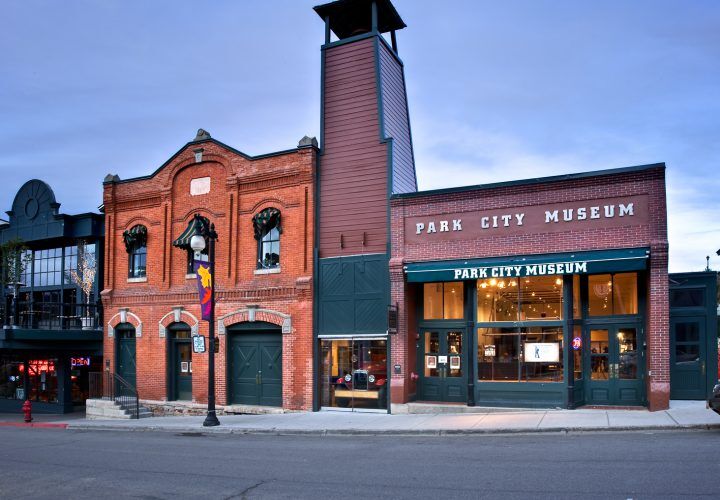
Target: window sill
{"points": [[274, 270], [190, 276], [137, 280]]}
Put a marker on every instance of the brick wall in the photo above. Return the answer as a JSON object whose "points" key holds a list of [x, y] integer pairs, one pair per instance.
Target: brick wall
{"points": [[653, 234], [241, 186]]}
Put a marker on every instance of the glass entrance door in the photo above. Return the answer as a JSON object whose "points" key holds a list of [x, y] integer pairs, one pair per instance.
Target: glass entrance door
{"points": [[354, 373], [616, 366], [443, 375]]}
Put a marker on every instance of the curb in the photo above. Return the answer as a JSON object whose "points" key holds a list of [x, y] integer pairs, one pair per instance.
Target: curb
{"points": [[40, 425], [200, 431]]}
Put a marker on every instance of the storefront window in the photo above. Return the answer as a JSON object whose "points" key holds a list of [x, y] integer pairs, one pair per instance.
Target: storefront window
{"points": [[612, 294], [11, 379], [577, 306], [354, 374], [520, 354], [541, 298], [43, 380], [524, 299], [497, 300], [443, 300]]}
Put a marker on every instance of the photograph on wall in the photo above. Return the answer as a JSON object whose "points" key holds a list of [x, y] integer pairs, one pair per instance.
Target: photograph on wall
{"points": [[454, 362], [431, 362], [542, 352], [184, 367]]}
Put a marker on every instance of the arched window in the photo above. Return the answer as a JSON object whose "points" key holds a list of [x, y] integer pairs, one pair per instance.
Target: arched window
{"points": [[266, 225], [136, 245]]}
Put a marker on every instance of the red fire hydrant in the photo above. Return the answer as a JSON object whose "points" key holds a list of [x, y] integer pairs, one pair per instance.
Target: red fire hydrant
{"points": [[27, 410]]}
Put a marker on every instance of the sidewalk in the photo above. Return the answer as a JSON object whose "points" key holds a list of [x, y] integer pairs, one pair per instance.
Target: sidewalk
{"points": [[681, 415]]}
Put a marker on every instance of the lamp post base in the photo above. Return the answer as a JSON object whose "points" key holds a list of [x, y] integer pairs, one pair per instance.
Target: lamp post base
{"points": [[211, 420]]}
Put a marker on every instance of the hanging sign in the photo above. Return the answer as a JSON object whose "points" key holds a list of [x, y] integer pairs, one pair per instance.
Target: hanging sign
{"points": [[577, 343], [442, 359], [205, 284], [542, 353], [199, 344]]}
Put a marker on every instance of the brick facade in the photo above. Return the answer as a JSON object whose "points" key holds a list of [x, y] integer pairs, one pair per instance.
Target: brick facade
{"points": [[622, 183], [240, 187]]}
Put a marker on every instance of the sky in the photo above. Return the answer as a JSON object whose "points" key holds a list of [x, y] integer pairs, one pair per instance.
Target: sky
{"points": [[497, 91]]}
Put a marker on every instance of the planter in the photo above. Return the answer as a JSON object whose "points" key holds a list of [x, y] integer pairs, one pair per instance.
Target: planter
{"points": [[87, 322]]}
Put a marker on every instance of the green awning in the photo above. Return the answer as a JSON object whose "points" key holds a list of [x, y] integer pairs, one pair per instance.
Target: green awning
{"points": [[196, 224], [135, 237], [593, 262]]}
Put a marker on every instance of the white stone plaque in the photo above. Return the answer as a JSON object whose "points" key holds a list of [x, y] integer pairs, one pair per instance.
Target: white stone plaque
{"points": [[199, 186]]}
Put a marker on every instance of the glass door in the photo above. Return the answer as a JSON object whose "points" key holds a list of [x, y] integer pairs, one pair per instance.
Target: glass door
{"points": [[443, 374], [354, 374], [616, 366]]}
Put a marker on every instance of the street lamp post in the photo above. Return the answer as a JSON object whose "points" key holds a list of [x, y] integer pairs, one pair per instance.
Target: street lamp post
{"points": [[197, 243]]}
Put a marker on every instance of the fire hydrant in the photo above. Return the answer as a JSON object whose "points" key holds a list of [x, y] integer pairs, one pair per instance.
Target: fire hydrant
{"points": [[27, 410]]}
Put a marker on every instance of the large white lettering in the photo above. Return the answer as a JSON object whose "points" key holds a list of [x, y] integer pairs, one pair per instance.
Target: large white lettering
{"points": [[551, 216]]}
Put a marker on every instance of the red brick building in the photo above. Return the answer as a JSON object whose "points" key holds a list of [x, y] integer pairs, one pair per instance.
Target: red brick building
{"points": [[544, 292], [263, 212]]}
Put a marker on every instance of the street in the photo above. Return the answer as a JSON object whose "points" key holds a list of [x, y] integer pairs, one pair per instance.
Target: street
{"points": [[56, 463]]}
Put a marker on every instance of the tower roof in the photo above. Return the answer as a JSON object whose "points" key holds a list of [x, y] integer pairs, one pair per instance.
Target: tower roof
{"points": [[353, 17]]}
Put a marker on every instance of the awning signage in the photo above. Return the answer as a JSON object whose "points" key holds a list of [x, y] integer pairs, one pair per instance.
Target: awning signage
{"points": [[533, 265]]}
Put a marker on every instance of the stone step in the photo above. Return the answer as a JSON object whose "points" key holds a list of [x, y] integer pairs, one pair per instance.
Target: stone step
{"points": [[253, 410], [454, 408]]}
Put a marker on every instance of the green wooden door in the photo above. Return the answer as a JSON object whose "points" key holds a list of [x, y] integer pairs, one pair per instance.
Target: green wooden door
{"points": [[687, 357], [616, 366], [255, 369], [443, 376], [126, 367], [182, 369]]}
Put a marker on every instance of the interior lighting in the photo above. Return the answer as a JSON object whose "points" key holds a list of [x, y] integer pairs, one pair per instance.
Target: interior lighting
{"points": [[493, 282], [558, 281]]}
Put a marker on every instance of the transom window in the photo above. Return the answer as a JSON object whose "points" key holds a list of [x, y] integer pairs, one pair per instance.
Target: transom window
{"points": [[443, 300]]}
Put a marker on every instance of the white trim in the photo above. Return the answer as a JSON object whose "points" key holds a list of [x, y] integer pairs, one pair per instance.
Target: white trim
{"points": [[466, 265], [274, 270], [137, 280], [373, 336]]}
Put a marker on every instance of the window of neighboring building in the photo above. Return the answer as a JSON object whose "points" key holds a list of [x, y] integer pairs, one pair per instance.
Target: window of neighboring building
{"points": [[136, 245], [443, 300], [612, 294], [267, 228]]}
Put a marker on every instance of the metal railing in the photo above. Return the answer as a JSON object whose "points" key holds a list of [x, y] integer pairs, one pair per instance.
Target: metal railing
{"points": [[53, 316], [111, 386]]}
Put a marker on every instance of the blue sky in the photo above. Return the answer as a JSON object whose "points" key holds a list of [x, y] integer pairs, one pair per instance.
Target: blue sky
{"points": [[497, 91]]}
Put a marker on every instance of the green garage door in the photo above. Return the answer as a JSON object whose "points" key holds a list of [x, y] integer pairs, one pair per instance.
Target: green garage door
{"points": [[255, 367]]}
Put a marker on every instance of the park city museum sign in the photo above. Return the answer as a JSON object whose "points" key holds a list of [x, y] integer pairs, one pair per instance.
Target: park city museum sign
{"points": [[534, 219]]}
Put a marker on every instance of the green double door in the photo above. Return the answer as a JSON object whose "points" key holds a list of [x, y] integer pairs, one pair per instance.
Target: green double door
{"points": [[616, 365], [443, 374], [255, 369]]}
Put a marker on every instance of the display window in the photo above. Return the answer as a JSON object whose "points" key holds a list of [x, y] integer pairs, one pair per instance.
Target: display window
{"points": [[537, 298], [532, 354], [354, 373], [11, 378]]}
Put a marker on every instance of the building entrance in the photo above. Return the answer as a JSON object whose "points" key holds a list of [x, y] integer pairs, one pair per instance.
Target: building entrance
{"points": [[443, 376], [255, 368], [616, 364], [125, 361]]}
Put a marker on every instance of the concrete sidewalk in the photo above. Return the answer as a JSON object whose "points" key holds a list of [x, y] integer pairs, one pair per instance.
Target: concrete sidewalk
{"points": [[681, 415]]}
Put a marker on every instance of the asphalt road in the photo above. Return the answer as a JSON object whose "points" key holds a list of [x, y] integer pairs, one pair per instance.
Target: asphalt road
{"points": [[54, 463]]}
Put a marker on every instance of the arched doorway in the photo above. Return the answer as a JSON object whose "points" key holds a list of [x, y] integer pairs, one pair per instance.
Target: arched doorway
{"points": [[125, 361], [255, 364], [179, 362]]}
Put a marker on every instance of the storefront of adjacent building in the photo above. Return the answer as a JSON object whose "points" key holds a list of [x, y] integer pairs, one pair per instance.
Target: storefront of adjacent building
{"points": [[548, 292], [262, 210], [51, 338]]}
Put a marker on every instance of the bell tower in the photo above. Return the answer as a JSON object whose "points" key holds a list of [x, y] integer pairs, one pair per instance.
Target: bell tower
{"points": [[366, 156]]}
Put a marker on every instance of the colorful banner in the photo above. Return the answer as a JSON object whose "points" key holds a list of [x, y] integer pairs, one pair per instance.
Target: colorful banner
{"points": [[205, 284]]}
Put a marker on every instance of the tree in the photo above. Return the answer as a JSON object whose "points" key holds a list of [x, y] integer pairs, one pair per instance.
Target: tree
{"points": [[84, 275], [14, 260]]}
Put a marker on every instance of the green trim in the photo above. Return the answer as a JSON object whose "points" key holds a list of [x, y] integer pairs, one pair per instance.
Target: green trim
{"points": [[530, 182], [591, 262]]}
